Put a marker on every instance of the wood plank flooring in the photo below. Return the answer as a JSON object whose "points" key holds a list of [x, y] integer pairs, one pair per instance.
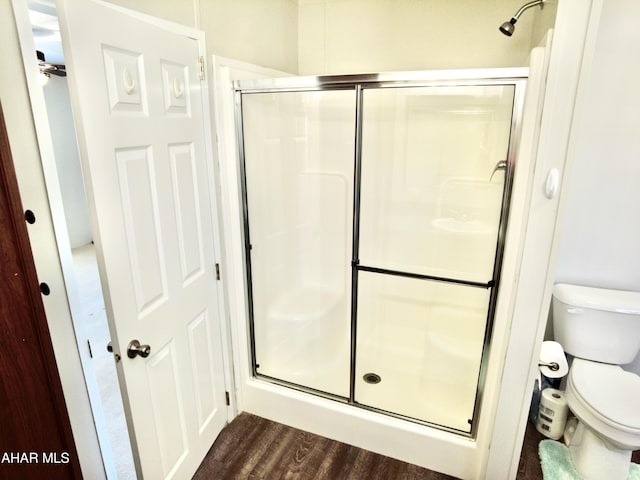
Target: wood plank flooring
{"points": [[255, 448], [529, 467], [252, 447]]}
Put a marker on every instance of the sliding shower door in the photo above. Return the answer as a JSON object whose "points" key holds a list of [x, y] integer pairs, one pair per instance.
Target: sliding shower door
{"points": [[433, 167], [298, 160], [375, 217]]}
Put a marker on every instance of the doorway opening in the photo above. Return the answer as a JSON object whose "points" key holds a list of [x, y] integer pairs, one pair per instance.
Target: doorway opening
{"points": [[78, 261]]}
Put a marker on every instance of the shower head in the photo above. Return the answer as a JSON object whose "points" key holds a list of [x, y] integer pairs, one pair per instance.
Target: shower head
{"points": [[508, 27]]}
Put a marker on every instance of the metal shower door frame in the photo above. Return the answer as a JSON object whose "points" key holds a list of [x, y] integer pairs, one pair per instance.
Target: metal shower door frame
{"points": [[516, 77]]}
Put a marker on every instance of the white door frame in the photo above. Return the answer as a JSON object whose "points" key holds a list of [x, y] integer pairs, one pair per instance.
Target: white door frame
{"points": [[81, 391], [231, 203]]}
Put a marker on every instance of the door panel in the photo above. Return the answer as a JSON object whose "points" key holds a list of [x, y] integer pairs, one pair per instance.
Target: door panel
{"points": [[139, 108], [185, 189], [140, 209], [164, 387]]}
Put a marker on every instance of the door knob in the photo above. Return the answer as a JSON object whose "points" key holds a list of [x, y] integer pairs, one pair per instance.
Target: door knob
{"points": [[135, 348]]}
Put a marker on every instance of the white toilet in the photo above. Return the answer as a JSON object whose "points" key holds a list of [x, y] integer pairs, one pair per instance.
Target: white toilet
{"points": [[601, 329]]}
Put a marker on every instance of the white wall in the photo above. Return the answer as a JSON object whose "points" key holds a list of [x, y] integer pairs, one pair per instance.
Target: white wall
{"points": [[600, 243], [347, 36], [56, 94]]}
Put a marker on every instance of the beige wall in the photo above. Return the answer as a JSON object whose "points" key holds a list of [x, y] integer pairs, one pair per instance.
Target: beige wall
{"points": [[543, 20], [179, 11], [262, 32], [348, 36], [345, 36]]}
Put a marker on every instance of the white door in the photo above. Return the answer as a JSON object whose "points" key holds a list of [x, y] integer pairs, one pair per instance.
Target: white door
{"points": [[140, 114]]}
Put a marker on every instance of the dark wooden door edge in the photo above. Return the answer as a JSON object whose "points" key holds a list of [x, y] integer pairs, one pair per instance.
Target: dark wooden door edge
{"points": [[28, 361]]}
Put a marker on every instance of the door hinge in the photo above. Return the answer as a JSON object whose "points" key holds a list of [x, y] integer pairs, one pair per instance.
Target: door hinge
{"points": [[217, 271], [226, 397], [201, 65], [90, 351]]}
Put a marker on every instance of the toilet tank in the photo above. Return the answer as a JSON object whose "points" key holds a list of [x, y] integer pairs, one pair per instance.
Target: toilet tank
{"points": [[597, 324]]}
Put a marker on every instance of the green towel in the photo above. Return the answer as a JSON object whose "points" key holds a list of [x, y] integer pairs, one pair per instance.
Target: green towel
{"points": [[556, 463]]}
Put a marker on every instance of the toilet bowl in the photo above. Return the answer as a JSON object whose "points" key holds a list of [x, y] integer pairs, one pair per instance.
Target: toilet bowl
{"points": [[606, 398], [600, 328]]}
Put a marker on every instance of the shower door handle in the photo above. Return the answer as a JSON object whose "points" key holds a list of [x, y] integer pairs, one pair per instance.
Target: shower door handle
{"points": [[501, 165]]}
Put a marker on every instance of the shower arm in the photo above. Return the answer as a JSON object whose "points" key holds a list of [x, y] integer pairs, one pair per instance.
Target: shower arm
{"points": [[526, 6]]}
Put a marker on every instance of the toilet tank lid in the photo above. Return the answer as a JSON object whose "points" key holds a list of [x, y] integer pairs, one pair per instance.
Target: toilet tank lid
{"points": [[621, 301]]}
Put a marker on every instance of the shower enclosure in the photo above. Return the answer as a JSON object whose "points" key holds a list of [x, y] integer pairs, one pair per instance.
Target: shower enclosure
{"points": [[375, 210]]}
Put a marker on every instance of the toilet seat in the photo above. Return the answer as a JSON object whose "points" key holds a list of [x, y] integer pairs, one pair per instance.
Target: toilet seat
{"points": [[605, 397], [609, 390]]}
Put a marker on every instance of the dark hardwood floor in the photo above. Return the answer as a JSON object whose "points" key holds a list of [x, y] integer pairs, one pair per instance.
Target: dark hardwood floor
{"points": [[529, 467], [252, 447], [255, 448]]}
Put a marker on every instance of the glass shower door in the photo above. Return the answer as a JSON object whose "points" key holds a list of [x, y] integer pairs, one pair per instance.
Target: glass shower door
{"points": [[431, 193], [298, 160]]}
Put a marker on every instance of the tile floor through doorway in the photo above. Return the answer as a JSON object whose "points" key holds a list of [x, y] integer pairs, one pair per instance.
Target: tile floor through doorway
{"points": [[94, 323]]}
